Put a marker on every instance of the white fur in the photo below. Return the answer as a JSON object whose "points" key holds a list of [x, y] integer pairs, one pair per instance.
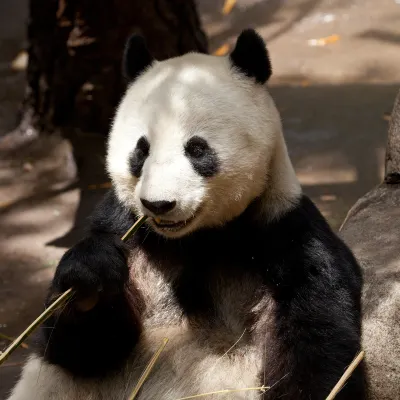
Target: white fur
{"points": [[186, 367], [201, 95], [171, 102], [197, 359]]}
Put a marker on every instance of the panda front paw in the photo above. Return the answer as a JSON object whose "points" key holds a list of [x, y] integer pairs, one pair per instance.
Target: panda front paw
{"points": [[95, 267]]}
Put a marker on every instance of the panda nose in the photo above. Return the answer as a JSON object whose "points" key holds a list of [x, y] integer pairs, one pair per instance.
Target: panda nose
{"points": [[158, 207]]}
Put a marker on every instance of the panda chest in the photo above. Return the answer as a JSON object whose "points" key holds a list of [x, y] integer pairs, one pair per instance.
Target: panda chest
{"points": [[190, 365], [226, 302], [211, 337]]}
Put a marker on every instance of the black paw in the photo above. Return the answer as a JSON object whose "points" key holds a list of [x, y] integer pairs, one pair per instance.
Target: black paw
{"points": [[95, 266]]}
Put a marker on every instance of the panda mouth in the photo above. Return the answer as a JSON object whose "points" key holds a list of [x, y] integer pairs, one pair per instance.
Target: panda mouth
{"points": [[171, 225]]}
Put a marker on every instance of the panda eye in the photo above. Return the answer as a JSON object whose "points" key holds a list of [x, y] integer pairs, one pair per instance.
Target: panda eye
{"points": [[138, 156], [142, 148], [203, 158], [196, 147]]}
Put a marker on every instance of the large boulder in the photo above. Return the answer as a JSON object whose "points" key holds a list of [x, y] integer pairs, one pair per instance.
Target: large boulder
{"points": [[372, 229]]}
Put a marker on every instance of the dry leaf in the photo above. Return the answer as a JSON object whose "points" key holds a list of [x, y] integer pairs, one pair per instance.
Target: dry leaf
{"points": [[228, 6], [20, 62], [328, 197], [387, 116], [324, 41], [5, 204], [27, 167], [221, 51]]}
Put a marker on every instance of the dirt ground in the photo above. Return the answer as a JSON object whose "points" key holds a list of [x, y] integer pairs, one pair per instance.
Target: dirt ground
{"points": [[333, 95]]}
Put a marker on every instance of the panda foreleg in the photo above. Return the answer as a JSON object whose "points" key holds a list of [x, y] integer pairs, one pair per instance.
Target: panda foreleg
{"points": [[93, 339], [317, 331]]}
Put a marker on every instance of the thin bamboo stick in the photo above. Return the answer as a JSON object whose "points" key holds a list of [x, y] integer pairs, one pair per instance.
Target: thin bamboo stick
{"points": [[11, 339], [39, 320], [148, 369], [60, 301], [350, 369]]}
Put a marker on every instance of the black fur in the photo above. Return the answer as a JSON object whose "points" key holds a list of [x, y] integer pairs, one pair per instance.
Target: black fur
{"points": [[139, 156], [93, 343], [250, 56], [203, 158], [310, 274], [136, 58]]}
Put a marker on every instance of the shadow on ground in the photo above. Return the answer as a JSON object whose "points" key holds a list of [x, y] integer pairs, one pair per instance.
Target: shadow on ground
{"points": [[255, 14]]}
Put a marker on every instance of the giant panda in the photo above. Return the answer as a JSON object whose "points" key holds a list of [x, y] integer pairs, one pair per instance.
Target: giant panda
{"points": [[234, 265]]}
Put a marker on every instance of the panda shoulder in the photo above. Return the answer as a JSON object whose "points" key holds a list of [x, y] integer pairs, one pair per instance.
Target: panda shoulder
{"points": [[311, 234]]}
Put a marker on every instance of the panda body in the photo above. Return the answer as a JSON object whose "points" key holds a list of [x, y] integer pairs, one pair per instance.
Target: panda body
{"points": [[236, 267]]}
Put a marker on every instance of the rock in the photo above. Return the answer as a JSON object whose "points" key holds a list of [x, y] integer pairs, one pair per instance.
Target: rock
{"points": [[372, 230]]}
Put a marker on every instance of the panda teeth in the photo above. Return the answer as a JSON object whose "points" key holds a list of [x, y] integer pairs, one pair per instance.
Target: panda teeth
{"points": [[168, 222], [160, 221]]}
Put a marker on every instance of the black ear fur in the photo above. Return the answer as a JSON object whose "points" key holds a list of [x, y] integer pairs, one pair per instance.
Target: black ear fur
{"points": [[250, 56], [136, 57]]}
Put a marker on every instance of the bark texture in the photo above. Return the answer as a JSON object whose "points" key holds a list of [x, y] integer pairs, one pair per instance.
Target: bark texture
{"points": [[392, 168], [75, 48]]}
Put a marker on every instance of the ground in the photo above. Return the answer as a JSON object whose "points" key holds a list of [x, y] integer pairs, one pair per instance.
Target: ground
{"points": [[333, 94]]}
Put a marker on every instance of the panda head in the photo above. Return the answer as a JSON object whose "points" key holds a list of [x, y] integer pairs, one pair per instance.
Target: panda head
{"points": [[194, 137]]}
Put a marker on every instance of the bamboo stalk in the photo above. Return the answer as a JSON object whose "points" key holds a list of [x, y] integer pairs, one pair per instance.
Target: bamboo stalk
{"points": [[57, 303], [134, 228], [39, 320], [11, 339], [148, 369], [350, 369]]}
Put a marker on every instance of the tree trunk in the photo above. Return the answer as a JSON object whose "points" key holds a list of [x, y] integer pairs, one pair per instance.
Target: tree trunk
{"points": [[75, 48]]}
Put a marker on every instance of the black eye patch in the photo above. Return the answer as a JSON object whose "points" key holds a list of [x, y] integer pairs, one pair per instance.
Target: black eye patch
{"points": [[138, 156], [203, 158]]}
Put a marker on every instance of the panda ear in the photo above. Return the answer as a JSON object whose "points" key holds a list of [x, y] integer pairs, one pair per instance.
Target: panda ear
{"points": [[136, 57], [250, 56]]}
